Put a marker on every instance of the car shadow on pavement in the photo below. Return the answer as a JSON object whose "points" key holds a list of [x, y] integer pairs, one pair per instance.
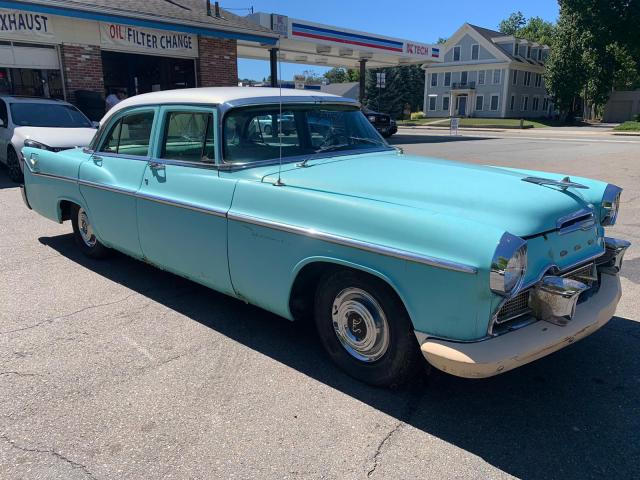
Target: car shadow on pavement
{"points": [[572, 415], [424, 138]]}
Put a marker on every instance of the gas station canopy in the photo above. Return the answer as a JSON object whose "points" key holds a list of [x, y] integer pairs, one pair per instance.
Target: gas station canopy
{"points": [[317, 44]]}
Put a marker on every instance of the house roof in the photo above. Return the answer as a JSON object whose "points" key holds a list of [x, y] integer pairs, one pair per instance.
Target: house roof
{"points": [[491, 34], [175, 12]]}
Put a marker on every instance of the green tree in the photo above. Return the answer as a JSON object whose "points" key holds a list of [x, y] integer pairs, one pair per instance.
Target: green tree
{"points": [[511, 25], [537, 30], [566, 73], [403, 85], [342, 75], [441, 40]]}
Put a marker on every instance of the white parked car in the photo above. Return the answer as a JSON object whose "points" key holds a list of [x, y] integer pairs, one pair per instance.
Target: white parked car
{"points": [[48, 124]]}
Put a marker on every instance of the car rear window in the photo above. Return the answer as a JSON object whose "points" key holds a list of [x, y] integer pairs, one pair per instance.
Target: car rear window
{"points": [[50, 115]]}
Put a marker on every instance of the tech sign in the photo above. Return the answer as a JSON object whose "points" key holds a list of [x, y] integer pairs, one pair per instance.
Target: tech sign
{"points": [[421, 50], [155, 42]]}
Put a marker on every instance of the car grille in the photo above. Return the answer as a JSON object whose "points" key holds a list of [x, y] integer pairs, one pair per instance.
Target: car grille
{"points": [[519, 305]]}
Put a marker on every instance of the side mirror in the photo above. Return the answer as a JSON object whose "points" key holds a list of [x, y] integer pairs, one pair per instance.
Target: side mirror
{"points": [[94, 124]]}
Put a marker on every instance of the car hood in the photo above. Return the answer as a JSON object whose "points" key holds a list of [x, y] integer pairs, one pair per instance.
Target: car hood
{"points": [[55, 137], [490, 195]]}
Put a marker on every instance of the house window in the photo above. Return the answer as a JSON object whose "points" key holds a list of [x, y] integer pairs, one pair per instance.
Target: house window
{"points": [[527, 79], [434, 79], [481, 75], [538, 80], [432, 103], [494, 102], [456, 53], [479, 102], [515, 48], [524, 106], [463, 77], [497, 75], [447, 79], [445, 104], [539, 54], [475, 52], [535, 103], [514, 78], [512, 102], [545, 104], [529, 51]]}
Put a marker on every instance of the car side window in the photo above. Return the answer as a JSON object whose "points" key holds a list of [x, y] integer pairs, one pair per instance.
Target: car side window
{"points": [[188, 136], [131, 135], [3, 113]]}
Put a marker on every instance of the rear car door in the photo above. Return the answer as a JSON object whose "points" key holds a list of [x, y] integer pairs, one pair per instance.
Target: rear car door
{"points": [[183, 202], [111, 177]]}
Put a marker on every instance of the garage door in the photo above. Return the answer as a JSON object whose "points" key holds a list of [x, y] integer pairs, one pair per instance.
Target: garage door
{"points": [[618, 111]]}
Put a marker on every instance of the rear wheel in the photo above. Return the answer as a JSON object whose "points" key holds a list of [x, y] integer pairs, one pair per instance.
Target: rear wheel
{"points": [[13, 166], [365, 329], [84, 234]]}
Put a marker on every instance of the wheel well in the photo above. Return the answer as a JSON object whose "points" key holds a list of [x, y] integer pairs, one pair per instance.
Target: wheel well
{"points": [[65, 210], [303, 291]]}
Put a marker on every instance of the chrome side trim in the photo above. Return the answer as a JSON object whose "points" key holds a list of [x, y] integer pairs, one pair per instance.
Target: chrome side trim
{"points": [[108, 188], [55, 177], [351, 242], [582, 219], [188, 206]]}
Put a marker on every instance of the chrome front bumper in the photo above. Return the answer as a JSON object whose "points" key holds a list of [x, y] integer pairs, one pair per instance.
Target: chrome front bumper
{"points": [[562, 321]]}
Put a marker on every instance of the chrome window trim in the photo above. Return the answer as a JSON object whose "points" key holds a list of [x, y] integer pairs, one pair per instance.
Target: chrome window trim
{"points": [[353, 243]]}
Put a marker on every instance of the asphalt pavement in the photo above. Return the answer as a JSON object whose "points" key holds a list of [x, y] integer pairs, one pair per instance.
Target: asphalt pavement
{"points": [[116, 370]]}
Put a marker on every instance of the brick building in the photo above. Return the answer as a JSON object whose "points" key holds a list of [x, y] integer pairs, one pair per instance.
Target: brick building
{"points": [[81, 50]]}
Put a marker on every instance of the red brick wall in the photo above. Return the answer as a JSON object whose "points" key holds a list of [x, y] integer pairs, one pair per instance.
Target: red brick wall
{"points": [[82, 66], [218, 62]]}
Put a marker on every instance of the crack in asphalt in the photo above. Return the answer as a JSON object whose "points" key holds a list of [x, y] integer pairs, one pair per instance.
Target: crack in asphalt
{"points": [[66, 315], [57, 455], [20, 374], [412, 404]]}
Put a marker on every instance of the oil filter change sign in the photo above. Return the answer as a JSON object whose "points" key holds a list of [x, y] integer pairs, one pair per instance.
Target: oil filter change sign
{"points": [[26, 24], [154, 42]]}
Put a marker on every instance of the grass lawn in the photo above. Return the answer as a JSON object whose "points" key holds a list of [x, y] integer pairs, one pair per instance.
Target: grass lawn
{"points": [[630, 126], [483, 122]]}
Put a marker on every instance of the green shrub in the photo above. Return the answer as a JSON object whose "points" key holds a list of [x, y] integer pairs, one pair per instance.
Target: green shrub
{"points": [[630, 126], [417, 115]]}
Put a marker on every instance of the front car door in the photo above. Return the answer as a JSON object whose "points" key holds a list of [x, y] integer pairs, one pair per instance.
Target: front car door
{"points": [[111, 177], [182, 202]]}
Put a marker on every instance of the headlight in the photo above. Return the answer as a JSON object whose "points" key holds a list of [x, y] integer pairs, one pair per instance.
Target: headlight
{"points": [[509, 264], [371, 118], [610, 205], [34, 144]]}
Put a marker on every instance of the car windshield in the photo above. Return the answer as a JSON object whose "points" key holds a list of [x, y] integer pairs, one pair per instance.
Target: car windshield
{"points": [[25, 114], [263, 133]]}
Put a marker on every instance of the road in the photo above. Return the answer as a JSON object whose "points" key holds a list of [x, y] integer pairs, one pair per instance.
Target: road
{"points": [[114, 369]]}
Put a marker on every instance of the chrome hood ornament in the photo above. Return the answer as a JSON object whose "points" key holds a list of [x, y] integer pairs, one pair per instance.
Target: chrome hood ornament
{"points": [[563, 184]]}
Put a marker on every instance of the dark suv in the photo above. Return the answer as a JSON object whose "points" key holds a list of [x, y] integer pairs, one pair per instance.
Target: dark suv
{"points": [[382, 122]]}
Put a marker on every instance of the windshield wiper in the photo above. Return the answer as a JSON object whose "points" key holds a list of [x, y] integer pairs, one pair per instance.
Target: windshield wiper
{"points": [[329, 148]]}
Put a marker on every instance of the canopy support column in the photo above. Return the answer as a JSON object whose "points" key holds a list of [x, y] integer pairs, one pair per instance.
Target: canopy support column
{"points": [[273, 63], [363, 79]]}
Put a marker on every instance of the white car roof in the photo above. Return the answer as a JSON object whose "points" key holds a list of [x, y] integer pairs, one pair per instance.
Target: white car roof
{"points": [[216, 95]]}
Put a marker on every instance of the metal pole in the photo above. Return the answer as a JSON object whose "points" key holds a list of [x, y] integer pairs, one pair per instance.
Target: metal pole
{"points": [[363, 75], [273, 63]]}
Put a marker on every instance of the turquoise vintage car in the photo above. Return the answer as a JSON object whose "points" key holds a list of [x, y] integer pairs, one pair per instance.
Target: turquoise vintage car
{"points": [[397, 258]]}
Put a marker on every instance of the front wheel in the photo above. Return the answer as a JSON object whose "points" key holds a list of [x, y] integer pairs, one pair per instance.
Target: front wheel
{"points": [[365, 329], [84, 234]]}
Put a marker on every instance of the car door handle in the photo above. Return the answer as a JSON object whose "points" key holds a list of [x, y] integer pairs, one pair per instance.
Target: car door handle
{"points": [[156, 166], [97, 160]]}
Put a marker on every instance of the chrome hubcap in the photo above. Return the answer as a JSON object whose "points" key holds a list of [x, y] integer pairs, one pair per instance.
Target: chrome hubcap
{"points": [[360, 324], [86, 231]]}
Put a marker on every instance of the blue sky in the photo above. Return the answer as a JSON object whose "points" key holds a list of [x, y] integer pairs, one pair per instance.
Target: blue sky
{"points": [[419, 20]]}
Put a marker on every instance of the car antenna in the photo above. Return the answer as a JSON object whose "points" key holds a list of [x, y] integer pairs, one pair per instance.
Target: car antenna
{"points": [[279, 80]]}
